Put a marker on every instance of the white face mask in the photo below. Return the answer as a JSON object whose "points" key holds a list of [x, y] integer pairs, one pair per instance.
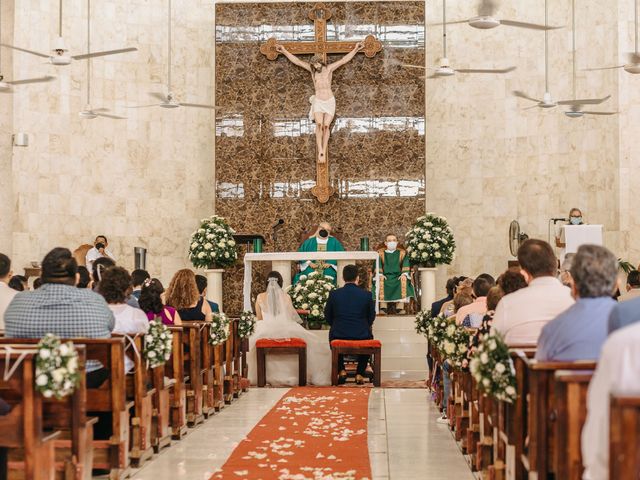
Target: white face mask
{"points": [[391, 246]]}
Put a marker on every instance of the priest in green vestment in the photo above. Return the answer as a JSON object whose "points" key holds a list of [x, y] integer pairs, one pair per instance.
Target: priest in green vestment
{"points": [[321, 241], [395, 279]]}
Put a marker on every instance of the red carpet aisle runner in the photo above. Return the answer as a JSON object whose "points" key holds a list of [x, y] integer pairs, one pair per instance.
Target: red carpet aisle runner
{"points": [[312, 433]]}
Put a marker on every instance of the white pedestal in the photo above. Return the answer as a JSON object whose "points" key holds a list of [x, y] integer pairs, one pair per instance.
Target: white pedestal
{"points": [[283, 267], [214, 286], [341, 265], [427, 287]]}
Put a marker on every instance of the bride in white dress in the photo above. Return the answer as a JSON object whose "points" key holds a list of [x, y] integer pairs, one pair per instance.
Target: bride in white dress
{"points": [[278, 319]]}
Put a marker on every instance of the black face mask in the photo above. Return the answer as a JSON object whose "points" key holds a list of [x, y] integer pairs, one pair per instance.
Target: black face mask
{"points": [[323, 233]]}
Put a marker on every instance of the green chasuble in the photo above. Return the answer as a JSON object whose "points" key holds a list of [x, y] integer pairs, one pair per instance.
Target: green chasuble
{"points": [[396, 287], [312, 245]]}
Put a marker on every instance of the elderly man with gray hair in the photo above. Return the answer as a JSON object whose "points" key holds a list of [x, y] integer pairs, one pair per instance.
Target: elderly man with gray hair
{"points": [[579, 332]]}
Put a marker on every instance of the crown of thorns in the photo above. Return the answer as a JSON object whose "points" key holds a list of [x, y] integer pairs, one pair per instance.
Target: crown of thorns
{"points": [[317, 59]]}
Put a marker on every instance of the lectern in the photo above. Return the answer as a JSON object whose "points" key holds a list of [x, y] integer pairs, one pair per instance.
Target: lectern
{"points": [[577, 235]]}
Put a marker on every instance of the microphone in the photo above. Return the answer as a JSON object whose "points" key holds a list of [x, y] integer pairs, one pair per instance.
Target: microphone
{"points": [[559, 220], [278, 223]]}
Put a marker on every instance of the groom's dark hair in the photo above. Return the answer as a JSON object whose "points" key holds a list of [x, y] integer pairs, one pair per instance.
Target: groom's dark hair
{"points": [[350, 273], [277, 276]]}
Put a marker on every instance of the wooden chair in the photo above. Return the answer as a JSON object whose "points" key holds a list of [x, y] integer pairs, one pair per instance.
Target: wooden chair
{"points": [[624, 436], [80, 254], [22, 428], [282, 346], [570, 413], [174, 369], [357, 347]]}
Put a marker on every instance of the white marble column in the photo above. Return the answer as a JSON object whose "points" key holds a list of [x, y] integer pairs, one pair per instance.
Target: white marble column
{"points": [[427, 287], [214, 286]]}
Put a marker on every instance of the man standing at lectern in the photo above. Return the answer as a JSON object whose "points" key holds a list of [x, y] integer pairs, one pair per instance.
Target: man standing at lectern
{"points": [[321, 241]]}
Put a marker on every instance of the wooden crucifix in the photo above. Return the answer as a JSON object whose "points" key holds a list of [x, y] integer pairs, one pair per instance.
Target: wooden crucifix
{"points": [[323, 103]]}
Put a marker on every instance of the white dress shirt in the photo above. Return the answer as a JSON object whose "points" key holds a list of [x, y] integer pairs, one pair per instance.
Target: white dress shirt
{"points": [[618, 371], [6, 295], [94, 254], [521, 315], [129, 321]]}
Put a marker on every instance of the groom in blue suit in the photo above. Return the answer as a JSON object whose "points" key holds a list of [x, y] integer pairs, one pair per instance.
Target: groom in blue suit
{"points": [[350, 311]]}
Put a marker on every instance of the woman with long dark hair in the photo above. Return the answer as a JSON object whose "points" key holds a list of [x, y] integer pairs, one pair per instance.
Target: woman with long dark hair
{"points": [[151, 303]]}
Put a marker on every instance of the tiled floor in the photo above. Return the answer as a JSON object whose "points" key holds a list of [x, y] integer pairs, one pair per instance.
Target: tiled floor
{"points": [[405, 442]]}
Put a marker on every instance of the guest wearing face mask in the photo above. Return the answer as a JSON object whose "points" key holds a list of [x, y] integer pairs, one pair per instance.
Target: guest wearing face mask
{"points": [[575, 218], [396, 289], [320, 241]]}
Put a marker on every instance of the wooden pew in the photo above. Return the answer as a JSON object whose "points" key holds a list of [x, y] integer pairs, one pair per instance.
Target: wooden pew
{"points": [[570, 413], [207, 369], [107, 401], [237, 357], [624, 436], [174, 369], [219, 362], [541, 429], [161, 431], [193, 374], [22, 428]]}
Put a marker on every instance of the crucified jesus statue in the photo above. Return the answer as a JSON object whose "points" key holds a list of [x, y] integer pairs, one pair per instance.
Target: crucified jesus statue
{"points": [[323, 103]]}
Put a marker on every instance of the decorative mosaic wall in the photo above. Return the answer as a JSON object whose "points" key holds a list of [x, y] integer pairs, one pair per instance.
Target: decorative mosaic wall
{"points": [[265, 143]]}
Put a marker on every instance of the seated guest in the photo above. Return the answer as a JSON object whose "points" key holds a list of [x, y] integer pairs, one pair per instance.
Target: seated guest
{"points": [[521, 315], [510, 281], [37, 283], [493, 298], [19, 283], [138, 277], [115, 287], [183, 295], [151, 303], [478, 308], [618, 371], [60, 308], [6, 293], [350, 311], [624, 314], [437, 305], [395, 277], [84, 278], [463, 285], [633, 286], [202, 283], [99, 266], [99, 250], [579, 332]]}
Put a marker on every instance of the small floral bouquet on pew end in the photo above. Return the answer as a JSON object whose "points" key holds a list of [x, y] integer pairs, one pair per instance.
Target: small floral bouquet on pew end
{"points": [[436, 330], [57, 372], [430, 241], [218, 329], [158, 343], [423, 319], [455, 344], [247, 324], [212, 244], [493, 370], [311, 293]]}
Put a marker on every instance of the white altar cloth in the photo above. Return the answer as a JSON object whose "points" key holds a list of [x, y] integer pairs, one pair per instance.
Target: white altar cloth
{"points": [[341, 257]]}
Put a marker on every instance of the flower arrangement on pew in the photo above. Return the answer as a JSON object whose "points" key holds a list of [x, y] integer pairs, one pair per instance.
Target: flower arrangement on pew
{"points": [[56, 367], [311, 293], [158, 343], [212, 244], [430, 241], [423, 319], [218, 329], [247, 324], [455, 344], [493, 370], [436, 330]]}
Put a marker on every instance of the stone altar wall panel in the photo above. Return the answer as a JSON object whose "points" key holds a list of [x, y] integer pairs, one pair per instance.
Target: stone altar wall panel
{"points": [[265, 143]]}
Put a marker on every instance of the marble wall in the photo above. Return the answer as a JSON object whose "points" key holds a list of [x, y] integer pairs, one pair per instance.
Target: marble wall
{"points": [[265, 142], [6, 129]]}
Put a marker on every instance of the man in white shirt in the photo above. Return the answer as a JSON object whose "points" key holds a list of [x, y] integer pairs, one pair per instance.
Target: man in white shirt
{"points": [[99, 250], [6, 293], [521, 315], [618, 372]]}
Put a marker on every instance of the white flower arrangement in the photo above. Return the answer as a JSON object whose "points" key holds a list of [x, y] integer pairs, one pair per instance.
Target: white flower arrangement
{"points": [[436, 330], [423, 319], [311, 293], [158, 343], [218, 329], [56, 367], [247, 324], [212, 244], [492, 368], [430, 241], [454, 344]]}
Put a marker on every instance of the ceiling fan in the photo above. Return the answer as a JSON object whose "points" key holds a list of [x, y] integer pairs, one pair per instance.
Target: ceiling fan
{"points": [[88, 112], [60, 55], [486, 19], [444, 69], [6, 86], [168, 100], [633, 58]]}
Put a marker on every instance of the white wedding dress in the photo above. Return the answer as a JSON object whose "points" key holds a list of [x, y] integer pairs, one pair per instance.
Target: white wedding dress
{"points": [[280, 320]]}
